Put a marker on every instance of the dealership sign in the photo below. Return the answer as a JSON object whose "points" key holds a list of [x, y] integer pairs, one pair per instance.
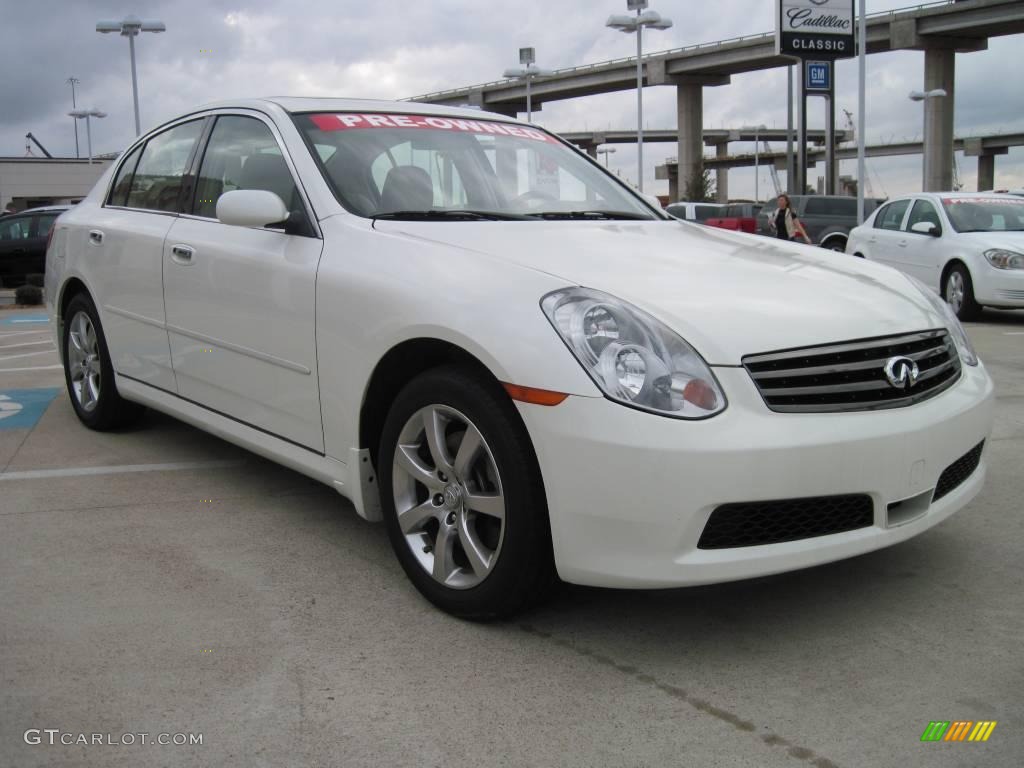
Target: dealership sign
{"points": [[815, 28]]}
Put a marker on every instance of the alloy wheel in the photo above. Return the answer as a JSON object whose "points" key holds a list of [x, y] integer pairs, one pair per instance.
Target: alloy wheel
{"points": [[955, 291], [84, 361], [448, 496]]}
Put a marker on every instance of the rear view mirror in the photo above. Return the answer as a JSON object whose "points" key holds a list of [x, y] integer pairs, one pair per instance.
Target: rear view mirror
{"points": [[925, 228], [251, 208]]}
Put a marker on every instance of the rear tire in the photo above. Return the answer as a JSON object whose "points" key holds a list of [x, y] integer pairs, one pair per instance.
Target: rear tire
{"points": [[88, 371], [466, 512], [958, 291]]}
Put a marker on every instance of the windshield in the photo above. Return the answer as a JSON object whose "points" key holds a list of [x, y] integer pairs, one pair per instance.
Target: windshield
{"points": [[985, 214], [426, 168]]}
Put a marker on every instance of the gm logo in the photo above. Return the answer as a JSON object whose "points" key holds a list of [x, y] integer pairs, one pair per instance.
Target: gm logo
{"points": [[958, 730]]}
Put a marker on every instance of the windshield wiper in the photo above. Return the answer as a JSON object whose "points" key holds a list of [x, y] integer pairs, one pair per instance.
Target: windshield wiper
{"points": [[584, 215], [448, 215]]}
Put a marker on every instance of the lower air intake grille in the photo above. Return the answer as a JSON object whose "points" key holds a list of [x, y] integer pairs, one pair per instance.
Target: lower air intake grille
{"points": [[958, 471], [752, 523]]}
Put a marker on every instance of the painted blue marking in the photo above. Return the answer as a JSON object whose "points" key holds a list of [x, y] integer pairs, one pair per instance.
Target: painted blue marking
{"points": [[22, 408], [24, 320]]}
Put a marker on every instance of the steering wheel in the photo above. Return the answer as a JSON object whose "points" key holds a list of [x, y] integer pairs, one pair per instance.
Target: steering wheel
{"points": [[532, 195]]}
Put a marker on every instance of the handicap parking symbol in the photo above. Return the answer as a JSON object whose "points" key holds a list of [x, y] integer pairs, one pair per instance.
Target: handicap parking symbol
{"points": [[22, 408]]}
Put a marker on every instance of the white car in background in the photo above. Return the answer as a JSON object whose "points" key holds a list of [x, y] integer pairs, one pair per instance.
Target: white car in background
{"points": [[484, 339], [969, 247]]}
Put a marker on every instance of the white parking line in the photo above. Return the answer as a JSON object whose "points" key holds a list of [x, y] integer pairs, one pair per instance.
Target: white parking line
{"points": [[1014, 333], [25, 354], [35, 474], [27, 344], [20, 333], [33, 368]]}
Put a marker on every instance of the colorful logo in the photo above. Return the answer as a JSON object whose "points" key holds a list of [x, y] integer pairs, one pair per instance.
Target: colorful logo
{"points": [[958, 730]]}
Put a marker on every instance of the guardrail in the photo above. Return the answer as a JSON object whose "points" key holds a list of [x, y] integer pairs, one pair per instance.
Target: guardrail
{"points": [[763, 36]]}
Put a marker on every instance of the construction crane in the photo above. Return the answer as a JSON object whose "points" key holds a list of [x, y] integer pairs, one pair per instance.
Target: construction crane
{"points": [[852, 129], [28, 147], [773, 170]]}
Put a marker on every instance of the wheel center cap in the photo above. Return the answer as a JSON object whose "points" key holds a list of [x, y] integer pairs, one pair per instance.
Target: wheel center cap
{"points": [[453, 496]]}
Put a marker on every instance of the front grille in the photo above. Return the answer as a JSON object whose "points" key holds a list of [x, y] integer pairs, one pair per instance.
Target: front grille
{"points": [[770, 522], [851, 376], [958, 471]]}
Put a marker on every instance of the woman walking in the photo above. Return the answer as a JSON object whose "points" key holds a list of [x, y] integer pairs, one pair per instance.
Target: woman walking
{"points": [[785, 223]]}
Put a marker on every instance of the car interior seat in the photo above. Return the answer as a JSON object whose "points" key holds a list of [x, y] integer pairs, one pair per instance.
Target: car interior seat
{"points": [[406, 188]]}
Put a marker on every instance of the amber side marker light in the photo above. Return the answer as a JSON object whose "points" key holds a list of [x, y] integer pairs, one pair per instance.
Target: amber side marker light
{"points": [[535, 396]]}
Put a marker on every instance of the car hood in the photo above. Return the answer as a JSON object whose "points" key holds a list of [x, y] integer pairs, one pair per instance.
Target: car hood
{"points": [[728, 294], [982, 241]]}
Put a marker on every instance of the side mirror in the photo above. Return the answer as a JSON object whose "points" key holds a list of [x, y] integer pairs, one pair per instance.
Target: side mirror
{"points": [[925, 228], [251, 208]]}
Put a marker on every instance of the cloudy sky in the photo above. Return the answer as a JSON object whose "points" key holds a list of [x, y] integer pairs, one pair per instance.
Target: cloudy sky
{"points": [[215, 49]]}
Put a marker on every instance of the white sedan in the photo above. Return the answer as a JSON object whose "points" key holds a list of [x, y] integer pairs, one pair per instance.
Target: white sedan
{"points": [[969, 247], [483, 339]]}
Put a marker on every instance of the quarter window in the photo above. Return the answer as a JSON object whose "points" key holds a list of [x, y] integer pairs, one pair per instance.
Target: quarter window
{"points": [[891, 216], [122, 184], [242, 154], [156, 185]]}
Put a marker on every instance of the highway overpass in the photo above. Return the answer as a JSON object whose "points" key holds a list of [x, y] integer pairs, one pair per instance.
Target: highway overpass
{"points": [[939, 29]]}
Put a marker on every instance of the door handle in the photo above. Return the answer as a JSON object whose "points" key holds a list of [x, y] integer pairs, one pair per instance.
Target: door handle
{"points": [[95, 237], [902, 243], [182, 254]]}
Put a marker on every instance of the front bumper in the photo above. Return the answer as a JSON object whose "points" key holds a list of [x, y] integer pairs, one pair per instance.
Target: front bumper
{"points": [[629, 492], [998, 287]]}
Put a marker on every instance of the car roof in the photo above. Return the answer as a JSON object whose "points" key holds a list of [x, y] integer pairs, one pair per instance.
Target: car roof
{"points": [[297, 104]]}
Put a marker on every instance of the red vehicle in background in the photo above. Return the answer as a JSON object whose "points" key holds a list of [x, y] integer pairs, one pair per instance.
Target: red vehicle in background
{"points": [[739, 217]]}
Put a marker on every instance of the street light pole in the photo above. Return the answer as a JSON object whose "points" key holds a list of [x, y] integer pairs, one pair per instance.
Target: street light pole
{"points": [[862, 43], [527, 57], [72, 81], [87, 114], [130, 27], [605, 151], [631, 24]]}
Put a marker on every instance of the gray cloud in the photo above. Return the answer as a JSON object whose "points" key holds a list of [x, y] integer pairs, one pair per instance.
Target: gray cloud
{"points": [[395, 49]]}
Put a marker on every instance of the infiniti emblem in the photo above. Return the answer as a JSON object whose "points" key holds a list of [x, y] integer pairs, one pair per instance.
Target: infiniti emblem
{"points": [[901, 372]]}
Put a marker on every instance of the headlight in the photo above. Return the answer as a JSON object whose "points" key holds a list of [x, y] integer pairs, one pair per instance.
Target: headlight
{"points": [[1001, 259], [963, 344], [633, 358]]}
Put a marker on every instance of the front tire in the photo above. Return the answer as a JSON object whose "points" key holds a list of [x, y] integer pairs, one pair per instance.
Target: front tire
{"points": [[958, 291], [88, 371], [462, 496]]}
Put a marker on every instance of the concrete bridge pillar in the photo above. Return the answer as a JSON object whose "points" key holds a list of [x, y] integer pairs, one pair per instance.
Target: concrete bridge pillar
{"points": [[939, 72], [973, 147], [690, 111]]}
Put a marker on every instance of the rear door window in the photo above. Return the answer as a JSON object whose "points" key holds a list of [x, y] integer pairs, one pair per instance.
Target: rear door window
{"points": [[891, 216], [156, 185]]}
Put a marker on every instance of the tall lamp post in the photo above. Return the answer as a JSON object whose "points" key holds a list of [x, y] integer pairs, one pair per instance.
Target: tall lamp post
{"points": [[628, 25], [757, 159], [130, 27], [606, 151], [73, 81], [527, 72], [929, 134], [87, 115]]}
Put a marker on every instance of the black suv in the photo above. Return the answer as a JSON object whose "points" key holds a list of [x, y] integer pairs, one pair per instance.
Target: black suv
{"points": [[828, 219]]}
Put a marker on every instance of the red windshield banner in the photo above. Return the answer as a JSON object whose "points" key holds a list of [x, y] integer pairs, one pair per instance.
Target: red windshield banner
{"points": [[351, 121], [985, 200]]}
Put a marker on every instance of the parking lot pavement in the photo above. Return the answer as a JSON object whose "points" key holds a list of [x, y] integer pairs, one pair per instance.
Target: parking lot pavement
{"points": [[195, 588]]}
